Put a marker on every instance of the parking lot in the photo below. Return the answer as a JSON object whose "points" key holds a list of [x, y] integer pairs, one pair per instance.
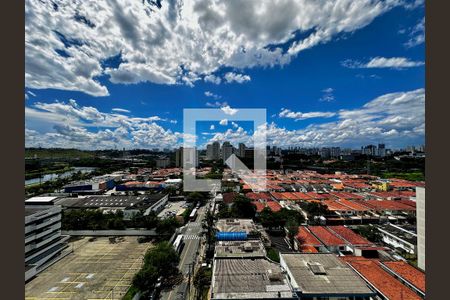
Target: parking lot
{"points": [[173, 209], [99, 268]]}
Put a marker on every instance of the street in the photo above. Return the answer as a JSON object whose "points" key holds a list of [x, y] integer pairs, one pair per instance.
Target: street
{"points": [[192, 239]]}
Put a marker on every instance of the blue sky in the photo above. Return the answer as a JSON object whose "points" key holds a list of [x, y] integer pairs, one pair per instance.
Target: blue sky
{"points": [[344, 74]]}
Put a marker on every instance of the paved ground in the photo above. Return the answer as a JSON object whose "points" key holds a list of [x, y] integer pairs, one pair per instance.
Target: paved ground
{"points": [[97, 269], [191, 233], [175, 207]]}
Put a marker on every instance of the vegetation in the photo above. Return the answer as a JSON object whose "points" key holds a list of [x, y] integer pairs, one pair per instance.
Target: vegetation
{"points": [[94, 219], [240, 208], [276, 220], [314, 209], [160, 263], [202, 281], [412, 176], [273, 254], [369, 232]]}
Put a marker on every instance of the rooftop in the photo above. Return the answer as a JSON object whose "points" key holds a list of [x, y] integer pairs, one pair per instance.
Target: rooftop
{"points": [[350, 236], [323, 274], [248, 279], [327, 237], [408, 273], [108, 201], [381, 279], [235, 225], [250, 248]]}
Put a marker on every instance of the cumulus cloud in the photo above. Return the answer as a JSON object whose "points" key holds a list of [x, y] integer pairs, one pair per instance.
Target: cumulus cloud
{"points": [[212, 127], [212, 95], [327, 95], [216, 104], [77, 45], [395, 118], [231, 77], [287, 113], [71, 125], [382, 62], [416, 34], [228, 110], [223, 122]]}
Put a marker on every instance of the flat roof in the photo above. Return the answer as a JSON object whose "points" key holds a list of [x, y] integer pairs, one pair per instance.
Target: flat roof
{"points": [[249, 279], [250, 248], [323, 274], [108, 201], [235, 225], [40, 199]]}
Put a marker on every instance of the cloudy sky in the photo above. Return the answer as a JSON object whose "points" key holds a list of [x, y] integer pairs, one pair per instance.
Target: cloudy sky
{"points": [[109, 73]]}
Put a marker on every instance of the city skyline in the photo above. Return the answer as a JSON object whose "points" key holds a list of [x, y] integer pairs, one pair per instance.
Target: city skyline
{"points": [[99, 76]]}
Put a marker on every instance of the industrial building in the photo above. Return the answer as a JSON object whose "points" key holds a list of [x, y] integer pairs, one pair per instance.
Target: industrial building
{"points": [[323, 276], [93, 186], [129, 205], [44, 243], [248, 278]]}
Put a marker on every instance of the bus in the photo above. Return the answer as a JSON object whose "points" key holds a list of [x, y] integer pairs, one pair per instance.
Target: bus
{"points": [[193, 214], [178, 244]]}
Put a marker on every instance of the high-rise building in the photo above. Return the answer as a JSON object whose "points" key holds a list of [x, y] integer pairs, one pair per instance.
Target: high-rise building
{"points": [[191, 156], [227, 150], [215, 150], [335, 152], [241, 151], [209, 152], [162, 162], [325, 153], [420, 215], [370, 150], [381, 150], [179, 157]]}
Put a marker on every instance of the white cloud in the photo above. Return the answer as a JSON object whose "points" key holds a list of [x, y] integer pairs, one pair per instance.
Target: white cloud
{"points": [[121, 110], [71, 44], [216, 104], [212, 95], [228, 110], [234, 124], [231, 77], [61, 124], [223, 122], [287, 113], [212, 127], [31, 93], [396, 118], [416, 34], [213, 79], [327, 95], [382, 62]]}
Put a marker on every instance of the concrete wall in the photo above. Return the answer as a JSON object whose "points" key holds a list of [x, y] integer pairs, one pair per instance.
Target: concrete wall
{"points": [[128, 232], [420, 210]]}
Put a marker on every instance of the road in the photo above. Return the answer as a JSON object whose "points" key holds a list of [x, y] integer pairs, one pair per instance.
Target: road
{"points": [[191, 236]]}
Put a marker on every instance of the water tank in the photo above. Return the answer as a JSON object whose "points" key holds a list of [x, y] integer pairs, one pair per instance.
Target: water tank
{"points": [[231, 236]]}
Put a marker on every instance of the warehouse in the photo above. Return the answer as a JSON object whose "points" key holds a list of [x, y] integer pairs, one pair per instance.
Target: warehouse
{"points": [[316, 275], [130, 205]]}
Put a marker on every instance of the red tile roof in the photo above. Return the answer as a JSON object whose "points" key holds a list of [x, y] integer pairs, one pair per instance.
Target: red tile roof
{"points": [[307, 238], [407, 272], [335, 206], [326, 237], [259, 206], [274, 206], [277, 196], [257, 196], [353, 205], [348, 196], [301, 196], [350, 236], [317, 196], [382, 280], [387, 205]]}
